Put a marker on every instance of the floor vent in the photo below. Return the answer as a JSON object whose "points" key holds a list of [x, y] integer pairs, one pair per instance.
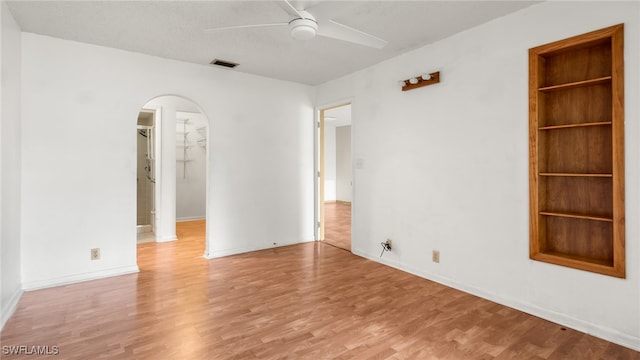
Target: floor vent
{"points": [[223, 63]]}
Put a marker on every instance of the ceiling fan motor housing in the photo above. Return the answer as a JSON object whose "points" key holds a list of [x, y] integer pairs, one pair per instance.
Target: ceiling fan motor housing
{"points": [[303, 28]]}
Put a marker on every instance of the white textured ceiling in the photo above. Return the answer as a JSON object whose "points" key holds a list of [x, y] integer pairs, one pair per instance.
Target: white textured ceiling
{"points": [[176, 30]]}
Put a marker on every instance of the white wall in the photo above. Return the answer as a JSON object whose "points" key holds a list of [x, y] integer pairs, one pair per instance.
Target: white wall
{"points": [[329, 162], [10, 154], [343, 163], [88, 97], [446, 167]]}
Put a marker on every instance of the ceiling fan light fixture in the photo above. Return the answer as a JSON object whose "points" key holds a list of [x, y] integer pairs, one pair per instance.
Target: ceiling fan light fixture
{"points": [[303, 29]]}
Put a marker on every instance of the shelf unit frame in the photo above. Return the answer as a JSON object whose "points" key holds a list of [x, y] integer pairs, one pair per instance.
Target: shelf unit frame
{"points": [[185, 146], [576, 152]]}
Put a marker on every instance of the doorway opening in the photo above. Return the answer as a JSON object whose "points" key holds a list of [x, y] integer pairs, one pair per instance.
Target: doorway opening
{"points": [[191, 175], [335, 176], [173, 158], [145, 179]]}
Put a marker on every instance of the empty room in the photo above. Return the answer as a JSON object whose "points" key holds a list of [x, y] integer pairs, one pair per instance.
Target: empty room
{"points": [[320, 180]]}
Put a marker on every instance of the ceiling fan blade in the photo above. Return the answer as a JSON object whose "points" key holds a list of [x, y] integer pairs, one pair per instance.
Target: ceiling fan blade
{"points": [[290, 9], [245, 26], [335, 30]]}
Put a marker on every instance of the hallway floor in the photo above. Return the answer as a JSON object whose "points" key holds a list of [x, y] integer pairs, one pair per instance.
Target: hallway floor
{"points": [[337, 225]]}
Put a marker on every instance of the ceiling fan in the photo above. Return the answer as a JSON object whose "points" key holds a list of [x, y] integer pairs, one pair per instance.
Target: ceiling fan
{"points": [[304, 26]]}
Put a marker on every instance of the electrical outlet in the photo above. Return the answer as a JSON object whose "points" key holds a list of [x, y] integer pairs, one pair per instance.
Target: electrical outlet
{"points": [[95, 254], [386, 246], [435, 257]]}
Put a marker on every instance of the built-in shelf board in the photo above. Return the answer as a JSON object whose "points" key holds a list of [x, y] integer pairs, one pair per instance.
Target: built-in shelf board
{"points": [[576, 145], [575, 84], [576, 175], [578, 262], [575, 216], [569, 126]]}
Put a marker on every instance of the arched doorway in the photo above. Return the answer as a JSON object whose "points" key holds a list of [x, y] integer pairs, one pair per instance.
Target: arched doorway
{"points": [[172, 157]]}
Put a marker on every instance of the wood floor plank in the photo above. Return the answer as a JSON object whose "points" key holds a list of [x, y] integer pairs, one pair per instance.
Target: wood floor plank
{"points": [[337, 224], [306, 301]]}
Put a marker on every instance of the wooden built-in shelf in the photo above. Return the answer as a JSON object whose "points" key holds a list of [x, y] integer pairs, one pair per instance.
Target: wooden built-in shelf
{"points": [[579, 262], [569, 126], [576, 175], [576, 147], [575, 216], [575, 84]]}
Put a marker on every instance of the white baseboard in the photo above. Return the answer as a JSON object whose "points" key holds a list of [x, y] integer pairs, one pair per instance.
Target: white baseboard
{"points": [[167, 238], [65, 280], [9, 307], [344, 202], [145, 238], [235, 251], [144, 228], [191, 218], [599, 331]]}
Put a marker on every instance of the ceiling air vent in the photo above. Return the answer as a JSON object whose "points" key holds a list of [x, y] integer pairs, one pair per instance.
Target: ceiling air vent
{"points": [[223, 63]]}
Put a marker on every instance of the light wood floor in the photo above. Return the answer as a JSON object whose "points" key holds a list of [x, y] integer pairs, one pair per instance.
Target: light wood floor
{"points": [[337, 225], [306, 301]]}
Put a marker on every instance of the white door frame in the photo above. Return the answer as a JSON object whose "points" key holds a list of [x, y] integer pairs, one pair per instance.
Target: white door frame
{"points": [[319, 165]]}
